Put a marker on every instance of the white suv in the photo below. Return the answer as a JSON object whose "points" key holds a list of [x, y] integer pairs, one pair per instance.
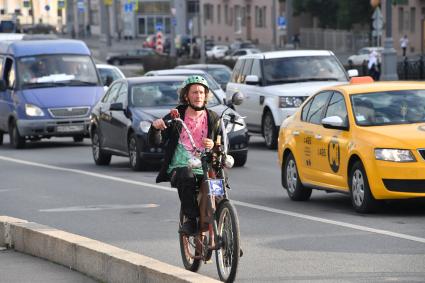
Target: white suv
{"points": [[275, 84]]}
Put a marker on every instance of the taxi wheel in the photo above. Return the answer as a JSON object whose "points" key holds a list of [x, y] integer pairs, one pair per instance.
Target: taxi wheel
{"points": [[136, 163], [361, 196], [270, 130], [99, 155], [291, 181]]}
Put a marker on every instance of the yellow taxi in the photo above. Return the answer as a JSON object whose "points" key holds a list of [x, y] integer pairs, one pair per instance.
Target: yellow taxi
{"points": [[365, 138]]}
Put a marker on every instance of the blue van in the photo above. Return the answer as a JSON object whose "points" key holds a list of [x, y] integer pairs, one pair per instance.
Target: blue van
{"points": [[47, 89]]}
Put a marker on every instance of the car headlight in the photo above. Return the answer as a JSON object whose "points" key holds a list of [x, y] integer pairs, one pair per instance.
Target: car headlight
{"points": [[34, 111], [144, 126], [239, 125], [290, 101], [395, 155]]}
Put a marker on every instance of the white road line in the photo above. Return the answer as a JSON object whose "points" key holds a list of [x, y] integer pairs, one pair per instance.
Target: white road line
{"points": [[97, 207], [239, 203]]}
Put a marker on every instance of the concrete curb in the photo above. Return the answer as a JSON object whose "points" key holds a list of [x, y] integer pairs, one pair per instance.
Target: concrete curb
{"points": [[96, 259]]}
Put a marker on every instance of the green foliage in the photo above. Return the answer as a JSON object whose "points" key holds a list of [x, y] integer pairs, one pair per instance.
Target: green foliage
{"points": [[336, 14]]}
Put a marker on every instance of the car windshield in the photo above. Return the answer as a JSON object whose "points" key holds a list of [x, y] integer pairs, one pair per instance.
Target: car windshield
{"points": [[56, 70], [220, 75], [389, 108], [302, 69], [154, 94], [109, 72]]}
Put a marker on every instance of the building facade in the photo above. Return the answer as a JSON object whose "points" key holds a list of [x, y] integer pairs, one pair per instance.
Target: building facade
{"points": [[408, 18]]}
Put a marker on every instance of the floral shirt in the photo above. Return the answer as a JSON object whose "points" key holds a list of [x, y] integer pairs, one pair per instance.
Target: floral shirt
{"points": [[184, 151]]}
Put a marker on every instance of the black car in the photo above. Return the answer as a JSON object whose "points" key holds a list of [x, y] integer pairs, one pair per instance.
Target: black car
{"points": [[121, 120], [131, 57]]}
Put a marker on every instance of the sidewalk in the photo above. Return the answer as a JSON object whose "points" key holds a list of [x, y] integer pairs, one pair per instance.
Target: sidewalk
{"points": [[18, 267]]}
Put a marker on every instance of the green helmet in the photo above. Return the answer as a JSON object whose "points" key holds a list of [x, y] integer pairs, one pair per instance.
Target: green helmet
{"points": [[195, 79]]}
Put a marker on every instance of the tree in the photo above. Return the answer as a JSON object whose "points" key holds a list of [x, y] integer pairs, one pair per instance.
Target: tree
{"points": [[336, 14]]}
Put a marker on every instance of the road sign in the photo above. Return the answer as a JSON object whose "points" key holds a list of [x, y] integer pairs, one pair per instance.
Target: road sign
{"points": [[128, 7], [158, 27], [80, 6], [47, 8], [61, 4], [281, 21]]}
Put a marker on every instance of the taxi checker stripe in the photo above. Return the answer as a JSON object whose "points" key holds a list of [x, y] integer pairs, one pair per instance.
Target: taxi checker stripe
{"points": [[239, 203]]}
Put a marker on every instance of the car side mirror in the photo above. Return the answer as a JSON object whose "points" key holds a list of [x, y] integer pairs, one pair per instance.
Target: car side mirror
{"points": [[3, 85], [334, 122], [116, 106], [252, 80], [237, 98], [353, 73]]}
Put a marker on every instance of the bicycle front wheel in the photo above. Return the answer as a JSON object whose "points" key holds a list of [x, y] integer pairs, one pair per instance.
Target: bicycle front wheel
{"points": [[189, 248], [227, 257]]}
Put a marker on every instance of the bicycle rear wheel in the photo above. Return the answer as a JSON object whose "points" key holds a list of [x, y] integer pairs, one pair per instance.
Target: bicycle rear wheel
{"points": [[227, 257], [188, 249]]}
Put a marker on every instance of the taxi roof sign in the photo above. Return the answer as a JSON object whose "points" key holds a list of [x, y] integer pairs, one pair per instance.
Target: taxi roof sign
{"points": [[361, 80]]}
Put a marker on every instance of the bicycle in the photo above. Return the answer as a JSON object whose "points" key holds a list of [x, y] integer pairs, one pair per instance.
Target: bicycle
{"points": [[222, 232]]}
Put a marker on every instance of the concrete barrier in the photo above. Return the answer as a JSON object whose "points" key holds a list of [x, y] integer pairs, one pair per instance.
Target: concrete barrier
{"points": [[101, 261]]}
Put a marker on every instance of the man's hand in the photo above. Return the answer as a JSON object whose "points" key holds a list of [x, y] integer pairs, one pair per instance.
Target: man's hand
{"points": [[159, 124], [208, 143]]}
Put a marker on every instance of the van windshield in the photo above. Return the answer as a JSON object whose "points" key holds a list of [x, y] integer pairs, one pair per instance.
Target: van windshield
{"points": [[56, 70], [303, 69]]}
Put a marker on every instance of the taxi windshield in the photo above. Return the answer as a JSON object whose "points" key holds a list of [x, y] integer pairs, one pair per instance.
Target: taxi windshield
{"points": [[389, 107], [156, 94], [56, 70]]}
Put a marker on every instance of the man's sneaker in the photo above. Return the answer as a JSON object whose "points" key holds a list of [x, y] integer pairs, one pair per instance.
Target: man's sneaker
{"points": [[189, 227]]}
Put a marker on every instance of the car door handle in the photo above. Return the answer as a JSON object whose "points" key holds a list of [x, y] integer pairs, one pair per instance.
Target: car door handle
{"points": [[318, 137], [296, 133]]}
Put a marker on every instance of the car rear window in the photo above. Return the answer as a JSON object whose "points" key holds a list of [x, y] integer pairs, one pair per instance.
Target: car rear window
{"points": [[154, 94]]}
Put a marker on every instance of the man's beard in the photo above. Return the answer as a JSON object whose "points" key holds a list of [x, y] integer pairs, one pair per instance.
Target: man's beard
{"points": [[196, 108]]}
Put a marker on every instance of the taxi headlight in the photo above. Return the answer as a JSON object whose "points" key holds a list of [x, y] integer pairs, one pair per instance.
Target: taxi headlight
{"points": [[395, 155], [144, 126], [290, 101], [239, 125], [32, 110]]}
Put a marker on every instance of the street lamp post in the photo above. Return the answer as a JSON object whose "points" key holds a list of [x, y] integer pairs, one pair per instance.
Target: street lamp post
{"points": [[389, 55]]}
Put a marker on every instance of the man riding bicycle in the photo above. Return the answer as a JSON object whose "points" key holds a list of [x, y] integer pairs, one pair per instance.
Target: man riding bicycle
{"points": [[204, 126]]}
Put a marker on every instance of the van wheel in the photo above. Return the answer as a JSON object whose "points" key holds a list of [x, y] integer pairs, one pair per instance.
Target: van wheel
{"points": [[16, 140], [269, 130], [1, 137]]}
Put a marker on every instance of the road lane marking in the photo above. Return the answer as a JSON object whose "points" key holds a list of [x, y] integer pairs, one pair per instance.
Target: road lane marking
{"points": [[239, 203], [97, 207]]}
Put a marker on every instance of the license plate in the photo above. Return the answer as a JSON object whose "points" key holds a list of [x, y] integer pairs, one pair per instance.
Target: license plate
{"points": [[70, 128], [216, 187]]}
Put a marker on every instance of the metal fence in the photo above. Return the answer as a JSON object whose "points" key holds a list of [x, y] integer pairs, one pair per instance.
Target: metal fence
{"points": [[407, 69], [335, 40]]}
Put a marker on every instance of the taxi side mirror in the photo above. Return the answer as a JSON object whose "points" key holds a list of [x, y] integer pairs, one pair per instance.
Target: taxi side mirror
{"points": [[335, 122]]}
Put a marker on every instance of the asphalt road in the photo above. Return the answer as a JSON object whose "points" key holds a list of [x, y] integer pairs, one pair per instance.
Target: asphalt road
{"points": [[323, 240]]}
